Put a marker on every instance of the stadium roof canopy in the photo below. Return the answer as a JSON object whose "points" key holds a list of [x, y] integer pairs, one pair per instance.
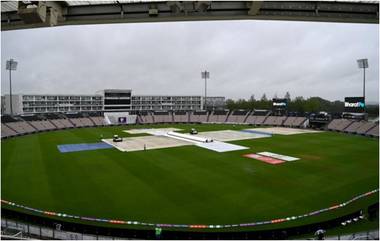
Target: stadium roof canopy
{"points": [[29, 14]]}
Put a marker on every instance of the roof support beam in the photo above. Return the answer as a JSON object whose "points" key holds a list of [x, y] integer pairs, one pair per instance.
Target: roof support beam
{"points": [[59, 13]]}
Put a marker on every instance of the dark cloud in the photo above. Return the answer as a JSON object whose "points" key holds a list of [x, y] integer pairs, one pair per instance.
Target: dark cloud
{"points": [[244, 58]]}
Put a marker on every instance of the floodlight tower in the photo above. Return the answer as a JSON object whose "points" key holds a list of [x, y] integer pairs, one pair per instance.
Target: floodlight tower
{"points": [[11, 65], [363, 64], [205, 75]]}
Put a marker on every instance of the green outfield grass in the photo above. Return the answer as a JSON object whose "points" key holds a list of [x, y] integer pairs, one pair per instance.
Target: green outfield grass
{"points": [[190, 185]]}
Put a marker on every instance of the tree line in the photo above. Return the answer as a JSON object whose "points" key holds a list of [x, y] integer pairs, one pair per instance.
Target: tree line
{"points": [[297, 104]]}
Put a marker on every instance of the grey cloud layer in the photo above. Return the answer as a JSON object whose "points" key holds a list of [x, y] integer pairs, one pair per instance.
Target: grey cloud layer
{"points": [[244, 58]]}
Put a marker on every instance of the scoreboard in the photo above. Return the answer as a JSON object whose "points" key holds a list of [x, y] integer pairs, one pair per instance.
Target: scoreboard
{"points": [[354, 104], [281, 104]]}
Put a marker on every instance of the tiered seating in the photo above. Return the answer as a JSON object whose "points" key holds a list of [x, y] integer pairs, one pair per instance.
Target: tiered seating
{"points": [[354, 126], [62, 123], [289, 121], [251, 119], [260, 120], [255, 119], [374, 131], [163, 117], [339, 124], [333, 125], [42, 125], [270, 121], [181, 117], [98, 120], [344, 124], [279, 121], [198, 116], [299, 121], [237, 116], [81, 122], [21, 127], [365, 127], [6, 131], [146, 118], [218, 116]]}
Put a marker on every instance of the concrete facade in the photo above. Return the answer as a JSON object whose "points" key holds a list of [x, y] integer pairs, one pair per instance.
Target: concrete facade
{"points": [[109, 100]]}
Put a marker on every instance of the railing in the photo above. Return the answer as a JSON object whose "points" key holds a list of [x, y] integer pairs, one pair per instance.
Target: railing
{"points": [[130, 223], [368, 235], [35, 231]]}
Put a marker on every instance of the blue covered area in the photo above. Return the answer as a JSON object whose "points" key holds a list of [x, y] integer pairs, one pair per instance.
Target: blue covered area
{"points": [[83, 147], [258, 132]]}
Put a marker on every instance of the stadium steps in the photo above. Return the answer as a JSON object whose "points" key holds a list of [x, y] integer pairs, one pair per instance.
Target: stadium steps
{"points": [[365, 127], [10, 128], [154, 119], [139, 119], [374, 131], [353, 123], [93, 122], [69, 120], [56, 127], [246, 116], [208, 116], [228, 115], [266, 117]]}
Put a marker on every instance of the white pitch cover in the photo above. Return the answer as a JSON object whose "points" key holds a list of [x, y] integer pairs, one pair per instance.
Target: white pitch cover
{"points": [[278, 156]]}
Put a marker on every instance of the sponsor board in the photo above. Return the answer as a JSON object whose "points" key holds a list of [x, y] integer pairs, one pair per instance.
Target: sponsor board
{"points": [[266, 159], [354, 104], [278, 156]]}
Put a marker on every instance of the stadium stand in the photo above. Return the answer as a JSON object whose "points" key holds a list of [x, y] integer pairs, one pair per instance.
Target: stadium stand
{"points": [[354, 126], [257, 117], [365, 127], [163, 117], [21, 127], [81, 122], [344, 123], [97, 120], [279, 121], [289, 122], [339, 124], [298, 122], [270, 120], [62, 123], [274, 120], [42, 125], [333, 124], [218, 116], [374, 131], [237, 116], [7, 132], [198, 116], [146, 118], [181, 117]]}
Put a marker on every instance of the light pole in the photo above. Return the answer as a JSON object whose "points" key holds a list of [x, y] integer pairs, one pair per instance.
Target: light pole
{"points": [[363, 64], [205, 75], [11, 65]]}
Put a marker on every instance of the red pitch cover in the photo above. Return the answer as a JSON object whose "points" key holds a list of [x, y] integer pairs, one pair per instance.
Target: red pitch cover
{"points": [[266, 159]]}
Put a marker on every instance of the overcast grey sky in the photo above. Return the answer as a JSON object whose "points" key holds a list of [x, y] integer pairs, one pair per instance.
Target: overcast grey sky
{"points": [[244, 58]]}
